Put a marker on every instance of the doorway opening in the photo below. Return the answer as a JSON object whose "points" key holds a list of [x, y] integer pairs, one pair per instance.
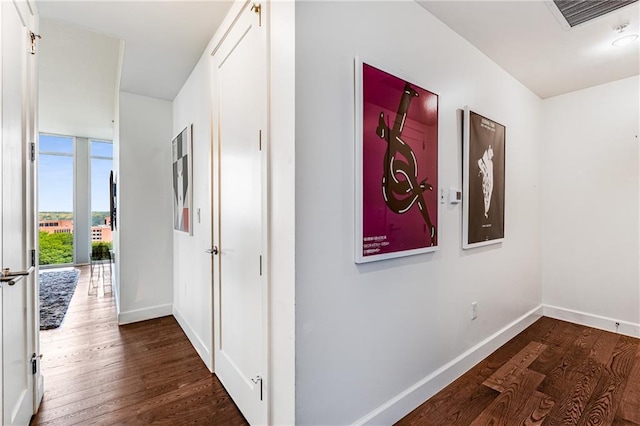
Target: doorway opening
{"points": [[74, 221]]}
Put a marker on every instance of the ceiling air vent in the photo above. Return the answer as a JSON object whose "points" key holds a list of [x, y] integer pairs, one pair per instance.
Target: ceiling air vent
{"points": [[577, 12]]}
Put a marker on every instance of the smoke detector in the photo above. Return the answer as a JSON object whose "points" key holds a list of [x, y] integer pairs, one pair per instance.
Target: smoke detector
{"points": [[623, 40]]}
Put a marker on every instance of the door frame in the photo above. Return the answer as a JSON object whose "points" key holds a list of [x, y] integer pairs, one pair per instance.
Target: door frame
{"points": [[28, 12], [32, 134]]}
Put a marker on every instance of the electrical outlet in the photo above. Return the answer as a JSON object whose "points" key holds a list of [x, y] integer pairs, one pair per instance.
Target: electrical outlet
{"points": [[474, 310]]}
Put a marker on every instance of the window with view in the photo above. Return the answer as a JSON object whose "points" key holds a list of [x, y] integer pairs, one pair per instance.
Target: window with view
{"points": [[55, 199]]}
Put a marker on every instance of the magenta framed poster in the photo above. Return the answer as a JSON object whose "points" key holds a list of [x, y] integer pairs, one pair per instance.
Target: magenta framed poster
{"points": [[396, 166]]}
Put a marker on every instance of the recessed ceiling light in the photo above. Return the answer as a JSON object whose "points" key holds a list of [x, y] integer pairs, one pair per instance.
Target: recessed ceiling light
{"points": [[624, 40]]}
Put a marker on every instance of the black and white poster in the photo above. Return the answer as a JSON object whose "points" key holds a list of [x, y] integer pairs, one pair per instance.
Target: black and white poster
{"points": [[483, 180], [182, 186]]}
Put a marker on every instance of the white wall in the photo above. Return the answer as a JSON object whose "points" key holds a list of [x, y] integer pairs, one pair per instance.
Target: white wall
{"points": [[590, 210], [192, 273], [367, 333], [78, 78], [145, 219]]}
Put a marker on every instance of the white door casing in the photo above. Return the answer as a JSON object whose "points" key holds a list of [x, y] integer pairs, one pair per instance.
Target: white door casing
{"points": [[241, 284], [17, 231], [32, 227]]}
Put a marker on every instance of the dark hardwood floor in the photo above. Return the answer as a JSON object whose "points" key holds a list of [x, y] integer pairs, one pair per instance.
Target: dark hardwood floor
{"points": [[144, 373], [553, 373]]}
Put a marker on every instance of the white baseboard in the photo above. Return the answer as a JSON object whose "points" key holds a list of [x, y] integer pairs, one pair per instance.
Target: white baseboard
{"points": [[39, 383], [145, 314], [196, 341], [116, 294], [406, 401], [590, 320]]}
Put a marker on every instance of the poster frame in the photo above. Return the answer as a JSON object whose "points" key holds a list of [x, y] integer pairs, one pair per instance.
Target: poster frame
{"points": [[467, 143], [359, 168], [187, 131]]}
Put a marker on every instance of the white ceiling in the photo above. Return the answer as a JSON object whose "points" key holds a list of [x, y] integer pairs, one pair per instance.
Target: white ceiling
{"points": [[163, 39], [528, 41]]}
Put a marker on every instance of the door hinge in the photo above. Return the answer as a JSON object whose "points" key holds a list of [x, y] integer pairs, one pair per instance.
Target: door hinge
{"points": [[32, 149], [34, 364], [257, 380], [34, 37], [260, 265], [257, 8], [33, 258], [260, 140]]}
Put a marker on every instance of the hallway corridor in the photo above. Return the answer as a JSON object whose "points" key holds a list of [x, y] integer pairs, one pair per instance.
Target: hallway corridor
{"points": [[96, 372]]}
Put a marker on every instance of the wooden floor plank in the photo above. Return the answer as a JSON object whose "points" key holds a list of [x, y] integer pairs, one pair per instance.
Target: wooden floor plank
{"points": [[511, 405], [603, 405], [458, 394], [513, 369], [629, 409], [562, 378], [470, 408], [557, 346], [97, 372], [449, 404], [537, 409], [581, 380], [554, 373]]}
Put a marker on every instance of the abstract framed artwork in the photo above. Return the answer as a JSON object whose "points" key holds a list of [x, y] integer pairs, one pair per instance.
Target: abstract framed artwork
{"points": [[396, 166], [182, 181], [483, 180]]}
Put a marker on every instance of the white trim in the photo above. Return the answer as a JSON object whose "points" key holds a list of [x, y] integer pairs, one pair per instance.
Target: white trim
{"points": [[196, 341], [406, 401], [115, 288], [591, 320], [145, 314], [39, 390], [228, 23]]}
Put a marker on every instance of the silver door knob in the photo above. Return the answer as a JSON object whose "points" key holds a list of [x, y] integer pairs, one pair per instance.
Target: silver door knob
{"points": [[212, 250]]}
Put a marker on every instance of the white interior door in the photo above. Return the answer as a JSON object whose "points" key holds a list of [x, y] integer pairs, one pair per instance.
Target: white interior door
{"points": [[17, 295], [240, 91]]}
